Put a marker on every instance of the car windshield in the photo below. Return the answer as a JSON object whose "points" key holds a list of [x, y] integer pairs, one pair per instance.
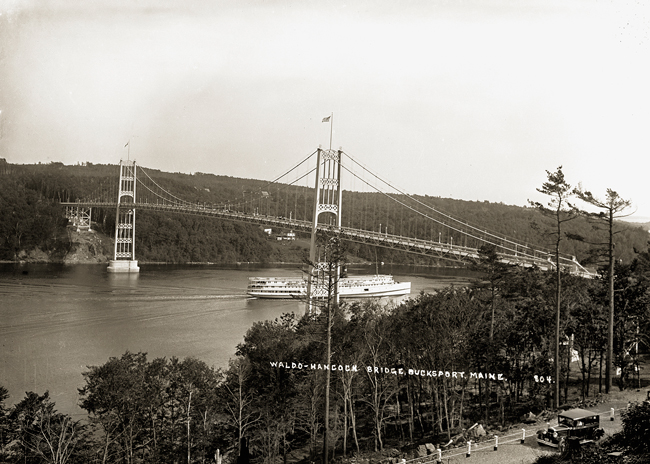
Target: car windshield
{"points": [[577, 418]]}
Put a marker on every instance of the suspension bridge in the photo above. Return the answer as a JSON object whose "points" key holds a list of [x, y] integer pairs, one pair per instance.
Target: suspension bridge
{"points": [[311, 197]]}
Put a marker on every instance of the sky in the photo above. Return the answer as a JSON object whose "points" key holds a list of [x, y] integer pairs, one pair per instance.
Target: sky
{"points": [[467, 99]]}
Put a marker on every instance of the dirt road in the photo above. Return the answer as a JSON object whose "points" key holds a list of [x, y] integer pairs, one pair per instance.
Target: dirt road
{"points": [[510, 449]]}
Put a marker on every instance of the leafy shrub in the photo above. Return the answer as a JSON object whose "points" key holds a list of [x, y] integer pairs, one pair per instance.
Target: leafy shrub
{"points": [[636, 427]]}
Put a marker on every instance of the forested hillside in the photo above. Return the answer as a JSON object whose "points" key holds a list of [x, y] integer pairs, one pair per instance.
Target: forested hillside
{"points": [[29, 221], [30, 218]]}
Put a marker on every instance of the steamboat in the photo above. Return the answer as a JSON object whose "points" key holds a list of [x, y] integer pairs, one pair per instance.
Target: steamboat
{"points": [[349, 287]]}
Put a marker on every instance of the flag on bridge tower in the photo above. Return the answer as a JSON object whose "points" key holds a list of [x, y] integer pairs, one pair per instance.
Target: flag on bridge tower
{"points": [[331, 121], [127, 144]]}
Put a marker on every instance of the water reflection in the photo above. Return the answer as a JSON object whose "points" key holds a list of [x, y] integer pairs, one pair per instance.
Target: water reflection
{"points": [[123, 280]]}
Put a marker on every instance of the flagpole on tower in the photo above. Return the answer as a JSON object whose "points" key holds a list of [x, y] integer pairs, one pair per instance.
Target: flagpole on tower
{"points": [[330, 119], [331, 128]]}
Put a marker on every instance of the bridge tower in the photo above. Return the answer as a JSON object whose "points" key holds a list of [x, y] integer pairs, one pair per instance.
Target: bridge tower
{"points": [[325, 269], [124, 254]]}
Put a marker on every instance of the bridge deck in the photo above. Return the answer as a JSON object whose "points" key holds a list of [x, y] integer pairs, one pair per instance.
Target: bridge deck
{"points": [[528, 257]]}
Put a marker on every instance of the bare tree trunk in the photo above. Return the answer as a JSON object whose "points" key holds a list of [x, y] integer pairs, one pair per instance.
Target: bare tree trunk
{"points": [[409, 395], [487, 399], [583, 371], [517, 359], [600, 374], [205, 433], [354, 425], [568, 372], [439, 403], [327, 381], [153, 427], [345, 425], [418, 411], [105, 450], [610, 332], [558, 293], [462, 398], [189, 441], [398, 418], [591, 360], [444, 397], [503, 410]]}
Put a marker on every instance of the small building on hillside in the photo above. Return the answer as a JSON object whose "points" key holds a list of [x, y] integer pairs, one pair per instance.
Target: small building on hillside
{"points": [[291, 235]]}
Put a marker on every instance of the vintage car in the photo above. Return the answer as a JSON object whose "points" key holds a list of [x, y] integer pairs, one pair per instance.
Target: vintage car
{"points": [[579, 423]]}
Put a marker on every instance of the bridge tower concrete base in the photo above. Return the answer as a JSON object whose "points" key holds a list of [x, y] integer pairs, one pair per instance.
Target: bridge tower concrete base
{"points": [[123, 266], [124, 255]]}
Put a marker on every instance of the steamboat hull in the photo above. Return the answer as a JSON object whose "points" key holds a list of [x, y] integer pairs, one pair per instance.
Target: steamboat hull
{"points": [[353, 287]]}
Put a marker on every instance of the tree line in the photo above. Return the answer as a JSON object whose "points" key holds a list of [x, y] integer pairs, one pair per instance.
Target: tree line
{"points": [[31, 218]]}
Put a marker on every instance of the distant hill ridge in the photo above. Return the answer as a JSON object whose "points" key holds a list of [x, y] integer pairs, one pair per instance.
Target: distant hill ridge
{"points": [[180, 238], [643, 225]]}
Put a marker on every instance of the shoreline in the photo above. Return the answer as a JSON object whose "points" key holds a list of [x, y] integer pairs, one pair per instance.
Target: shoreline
{"points": [[93, 247], [208, 263]]}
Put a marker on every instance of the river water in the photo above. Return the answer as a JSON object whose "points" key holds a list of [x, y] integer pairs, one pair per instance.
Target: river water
{"points": [[56, 320]]}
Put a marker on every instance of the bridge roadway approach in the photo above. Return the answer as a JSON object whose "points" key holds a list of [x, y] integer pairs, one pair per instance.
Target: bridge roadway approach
{"points": [[396, 242]]}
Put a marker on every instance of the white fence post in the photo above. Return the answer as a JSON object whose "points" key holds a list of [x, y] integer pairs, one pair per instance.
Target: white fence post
{"points": [[523, 435], [469, 449], [496, 443]]}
